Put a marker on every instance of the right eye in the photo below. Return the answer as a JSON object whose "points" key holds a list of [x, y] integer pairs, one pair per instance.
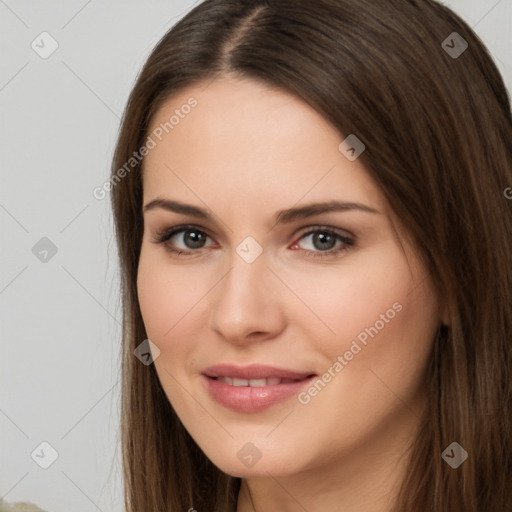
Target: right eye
{"points": [[192, 237]]}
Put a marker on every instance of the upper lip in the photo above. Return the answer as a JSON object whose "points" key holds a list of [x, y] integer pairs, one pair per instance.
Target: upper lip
{"points": [[254, 371]]}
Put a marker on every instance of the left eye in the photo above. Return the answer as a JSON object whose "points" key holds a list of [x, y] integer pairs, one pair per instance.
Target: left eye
{"points": [[323, 240], [194, 237]]}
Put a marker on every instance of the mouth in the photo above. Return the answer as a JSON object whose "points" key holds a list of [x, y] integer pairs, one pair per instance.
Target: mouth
{"points": [[254, 373], [253, 388], [254, 383]]}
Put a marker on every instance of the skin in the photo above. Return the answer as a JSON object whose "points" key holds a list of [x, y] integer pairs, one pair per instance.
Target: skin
{"points": [[245, 152]]}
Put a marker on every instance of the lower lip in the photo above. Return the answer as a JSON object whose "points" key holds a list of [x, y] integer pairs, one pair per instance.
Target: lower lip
{"points": [[253, 399]]}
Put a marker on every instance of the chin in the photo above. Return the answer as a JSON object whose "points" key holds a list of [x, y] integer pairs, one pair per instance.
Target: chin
{"points": [[250, 462]]}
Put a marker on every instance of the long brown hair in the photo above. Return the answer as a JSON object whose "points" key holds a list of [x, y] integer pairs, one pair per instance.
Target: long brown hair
{"points": [[437, 127]]}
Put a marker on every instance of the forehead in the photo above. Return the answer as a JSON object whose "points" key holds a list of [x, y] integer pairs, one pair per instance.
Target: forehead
{"points": [[242, 137]]}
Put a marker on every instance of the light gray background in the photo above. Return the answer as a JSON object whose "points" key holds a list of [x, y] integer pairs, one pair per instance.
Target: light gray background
{"points": [[61, 318]]}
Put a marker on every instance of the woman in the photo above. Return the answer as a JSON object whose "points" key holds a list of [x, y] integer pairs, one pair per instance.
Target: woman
{"points": [[315, 246]]}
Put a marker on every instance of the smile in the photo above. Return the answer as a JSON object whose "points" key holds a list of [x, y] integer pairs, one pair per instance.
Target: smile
{"points": [[253, 388]]}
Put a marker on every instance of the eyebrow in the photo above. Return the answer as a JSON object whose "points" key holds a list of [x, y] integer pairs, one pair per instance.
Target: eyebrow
{"points": [[281, 217]]}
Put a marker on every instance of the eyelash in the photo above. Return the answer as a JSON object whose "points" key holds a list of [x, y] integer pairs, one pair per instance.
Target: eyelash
{"points": [[161, 237]]}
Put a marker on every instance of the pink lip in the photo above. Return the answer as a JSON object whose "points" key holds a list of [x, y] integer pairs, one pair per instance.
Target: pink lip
{"points": [[253, 399]]}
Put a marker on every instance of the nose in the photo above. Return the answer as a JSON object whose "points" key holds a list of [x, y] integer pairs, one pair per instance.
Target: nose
{"points": [[247, 303]]}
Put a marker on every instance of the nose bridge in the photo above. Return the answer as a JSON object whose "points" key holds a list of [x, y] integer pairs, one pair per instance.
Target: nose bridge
{"points": [[248, 275], [245, 301]]}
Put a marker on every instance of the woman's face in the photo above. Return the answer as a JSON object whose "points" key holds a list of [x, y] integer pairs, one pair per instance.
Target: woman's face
{"points": [[291, 338]]}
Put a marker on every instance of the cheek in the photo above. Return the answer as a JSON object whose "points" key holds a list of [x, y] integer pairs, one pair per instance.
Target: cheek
{"points": [[376, 361], [165, 296], [372, 311], [156, 304], [345, 301]]}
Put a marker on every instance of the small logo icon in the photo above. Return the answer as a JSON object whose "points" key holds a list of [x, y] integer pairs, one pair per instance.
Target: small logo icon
{"points": [[351, 147], [44, 250], [454, 455], [147, 352], [44, 45], [249, 249], [45, 455], [249, 455], [454, 45]]}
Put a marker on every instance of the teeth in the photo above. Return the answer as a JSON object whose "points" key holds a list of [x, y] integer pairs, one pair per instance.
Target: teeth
{"points": [[256, 383]]}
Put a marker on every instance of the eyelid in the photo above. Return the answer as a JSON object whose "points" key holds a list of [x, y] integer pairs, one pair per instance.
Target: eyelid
{"points": [[166, 233], [317, 227]]}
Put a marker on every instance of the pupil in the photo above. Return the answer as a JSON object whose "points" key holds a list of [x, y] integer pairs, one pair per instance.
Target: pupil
{"points": [[321, 237], [194, 238]]}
